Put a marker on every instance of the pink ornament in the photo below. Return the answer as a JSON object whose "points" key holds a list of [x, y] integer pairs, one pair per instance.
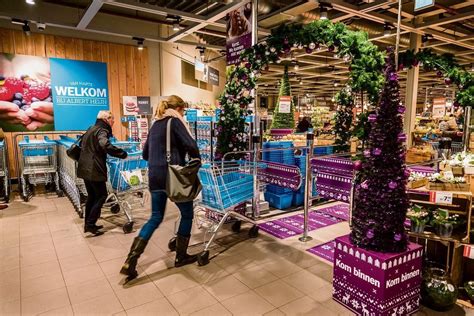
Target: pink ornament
{"points": [[364, 185], [392, 185], [357, 165], [377, 151]]}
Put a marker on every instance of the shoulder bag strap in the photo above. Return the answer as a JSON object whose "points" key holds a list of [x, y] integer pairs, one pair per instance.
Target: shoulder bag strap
{"points": [[168, 141]]}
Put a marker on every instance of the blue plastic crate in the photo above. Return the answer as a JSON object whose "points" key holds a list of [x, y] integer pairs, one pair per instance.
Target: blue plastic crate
{"points": [[279, 201], [277, 189], [324, 150], [278, 144]]}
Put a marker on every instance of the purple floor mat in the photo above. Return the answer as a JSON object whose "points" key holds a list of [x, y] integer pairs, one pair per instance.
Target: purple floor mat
{"points": [[293, 225], [339, 210], [325, 251]]}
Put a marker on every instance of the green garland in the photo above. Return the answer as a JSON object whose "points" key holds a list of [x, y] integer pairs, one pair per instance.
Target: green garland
{"points": [[366, 63], [343, 118], [284, 120], [445, 65]]}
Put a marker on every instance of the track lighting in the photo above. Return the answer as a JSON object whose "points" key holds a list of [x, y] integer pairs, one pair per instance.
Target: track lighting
{"points": [[176, 20], [140, 42], [387, 30]]}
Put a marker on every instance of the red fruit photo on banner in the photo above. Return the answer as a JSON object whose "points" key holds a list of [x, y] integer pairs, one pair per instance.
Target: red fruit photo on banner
{"points": [[25, 94]]}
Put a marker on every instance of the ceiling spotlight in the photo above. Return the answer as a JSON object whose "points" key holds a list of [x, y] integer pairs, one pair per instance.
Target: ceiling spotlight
{"points": [[41, 26], [30, 2], [336, 83], [296, 66], [425, 38], [202, 51], [26, 28], [140, 42], [176, 27], [323, 12], [301, 81], [333, 99], [387, 30]]}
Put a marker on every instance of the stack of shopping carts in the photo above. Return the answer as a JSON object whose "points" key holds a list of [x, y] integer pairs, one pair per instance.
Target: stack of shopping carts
{"points": [[38, 165], [72, 185], [4, 182], [127, 185]]}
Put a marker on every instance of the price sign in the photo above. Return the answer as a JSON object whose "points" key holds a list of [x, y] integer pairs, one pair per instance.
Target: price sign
{"points": [[441, 197]]}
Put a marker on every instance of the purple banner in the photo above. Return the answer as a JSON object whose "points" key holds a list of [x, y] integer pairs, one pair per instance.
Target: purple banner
{"points": [[282, 175], [239, 33]]}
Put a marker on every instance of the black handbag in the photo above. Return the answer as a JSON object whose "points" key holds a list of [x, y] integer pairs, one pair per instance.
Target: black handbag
{"points": [[74, 152], [182, 182]]}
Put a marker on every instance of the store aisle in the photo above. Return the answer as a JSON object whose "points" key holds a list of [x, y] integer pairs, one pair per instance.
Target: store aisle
{"points": [[48, 267]]}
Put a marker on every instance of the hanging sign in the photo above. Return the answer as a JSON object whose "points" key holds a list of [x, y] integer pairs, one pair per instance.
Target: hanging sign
{"points": [[285, 104], [423, 4], [439, 107], [239, 33], [136, 105], [201, 71], [213, 76]]}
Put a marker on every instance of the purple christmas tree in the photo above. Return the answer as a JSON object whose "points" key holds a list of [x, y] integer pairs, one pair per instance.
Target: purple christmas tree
{"points": [[380, 199]]}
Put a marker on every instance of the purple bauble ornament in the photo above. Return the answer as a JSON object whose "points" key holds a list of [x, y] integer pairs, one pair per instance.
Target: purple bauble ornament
{"points": [[372, 118], [367, 153], [308, 50], [244, 77], [402, 137], [248, 65], [447, 81], [392, 185], [401, 109], [331, 48], [439, 73], [357, 165], [285, 41], [397, 237], [364, 185], [393, 76], [416, 62], [377, 151], [370, 234]]}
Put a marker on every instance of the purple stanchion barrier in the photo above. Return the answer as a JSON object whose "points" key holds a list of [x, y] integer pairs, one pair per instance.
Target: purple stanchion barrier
{"points": [[373, 283], [334, 176]]}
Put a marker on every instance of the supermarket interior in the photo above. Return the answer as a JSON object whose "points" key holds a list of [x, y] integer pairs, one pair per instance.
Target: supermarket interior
{"points": [[236, 157]]}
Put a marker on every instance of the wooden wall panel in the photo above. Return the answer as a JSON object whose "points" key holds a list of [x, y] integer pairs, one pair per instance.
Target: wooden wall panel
{"points": [[127, 68]]}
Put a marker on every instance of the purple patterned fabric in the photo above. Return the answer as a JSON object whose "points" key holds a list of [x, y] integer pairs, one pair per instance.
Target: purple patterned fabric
{"points": [[334, 177], [293, 225], [325, 251], [424, 170]]}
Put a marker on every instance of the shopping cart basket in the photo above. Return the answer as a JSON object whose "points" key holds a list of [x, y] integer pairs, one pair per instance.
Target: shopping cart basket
{"points": [[225, 187], [38, 165], [73, 186], [4, 182], [127, 185]]}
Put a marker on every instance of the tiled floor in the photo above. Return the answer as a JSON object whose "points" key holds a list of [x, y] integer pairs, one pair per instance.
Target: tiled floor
{"points": [[48, 267]]}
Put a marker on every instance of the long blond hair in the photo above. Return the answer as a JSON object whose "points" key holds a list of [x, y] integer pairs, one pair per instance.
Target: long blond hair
{"points": [[172, 102]]}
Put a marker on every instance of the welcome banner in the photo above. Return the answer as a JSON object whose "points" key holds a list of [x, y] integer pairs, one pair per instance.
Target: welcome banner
{"points": [[41, 94]]}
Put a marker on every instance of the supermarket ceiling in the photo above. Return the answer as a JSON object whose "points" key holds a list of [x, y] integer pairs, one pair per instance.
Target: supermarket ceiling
{"points": [[448, 27]]}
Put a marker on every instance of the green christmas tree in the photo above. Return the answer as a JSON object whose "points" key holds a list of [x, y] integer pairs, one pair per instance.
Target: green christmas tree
{"points": [[284, 120]]}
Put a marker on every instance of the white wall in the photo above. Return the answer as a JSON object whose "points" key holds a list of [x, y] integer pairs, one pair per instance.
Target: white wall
{"points": [[171, 82]]}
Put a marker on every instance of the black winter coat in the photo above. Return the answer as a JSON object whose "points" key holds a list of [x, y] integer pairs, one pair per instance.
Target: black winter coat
{"points": [[95, 146], [155, 150]]}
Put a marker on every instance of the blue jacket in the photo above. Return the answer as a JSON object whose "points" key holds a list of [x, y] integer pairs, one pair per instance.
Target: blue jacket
{"points": [[154, 150]]}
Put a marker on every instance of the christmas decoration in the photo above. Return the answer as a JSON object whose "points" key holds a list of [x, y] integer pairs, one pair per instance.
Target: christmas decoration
{"points": [[343, 118], [284, 120], [380, 199], [443, 65], [365, 62]]}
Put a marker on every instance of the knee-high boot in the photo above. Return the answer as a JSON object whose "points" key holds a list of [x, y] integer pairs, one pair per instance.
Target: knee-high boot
{"points": [[182, 257], [129, 268]]}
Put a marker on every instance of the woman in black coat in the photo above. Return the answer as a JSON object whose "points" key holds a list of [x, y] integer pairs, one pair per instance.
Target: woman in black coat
{"points": [[154, 152], [92, 167]]}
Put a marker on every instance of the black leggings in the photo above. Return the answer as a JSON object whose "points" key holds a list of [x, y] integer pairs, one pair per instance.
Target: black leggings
{"points": [[96, 196]]}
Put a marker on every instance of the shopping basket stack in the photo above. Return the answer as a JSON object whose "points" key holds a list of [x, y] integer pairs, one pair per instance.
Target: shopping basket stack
{"points": [[73, 186], [127, 185], [38, 165], [4, 183], [283, 152]]}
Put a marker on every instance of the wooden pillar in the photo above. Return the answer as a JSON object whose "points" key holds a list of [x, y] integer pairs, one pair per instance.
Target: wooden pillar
{"points": [[411, 91]]}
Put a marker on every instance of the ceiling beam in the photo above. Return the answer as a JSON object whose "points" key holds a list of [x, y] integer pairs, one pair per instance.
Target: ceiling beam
{"points": [[90, 13], [221, 13], [446, 20]]}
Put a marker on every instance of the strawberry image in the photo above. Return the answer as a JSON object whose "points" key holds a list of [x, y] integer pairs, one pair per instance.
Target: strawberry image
{"points": [[40, 91], [6, 94], [14, 84], [27, 96]]}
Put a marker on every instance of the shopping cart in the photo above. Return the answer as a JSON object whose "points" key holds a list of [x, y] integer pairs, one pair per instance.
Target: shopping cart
{"points": [[128, 146], [4, 183], [38, 165], [226, 186], [127, 186], [73, 186]]}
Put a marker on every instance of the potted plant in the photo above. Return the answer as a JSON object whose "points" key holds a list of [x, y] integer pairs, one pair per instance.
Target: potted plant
{"points": [[442, 223], [418, 216], [438, 292], [469, 288]]}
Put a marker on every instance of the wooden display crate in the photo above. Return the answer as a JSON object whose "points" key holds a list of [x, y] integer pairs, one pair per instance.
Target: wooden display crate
{"points": [[441, 186], [415, 184]]}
